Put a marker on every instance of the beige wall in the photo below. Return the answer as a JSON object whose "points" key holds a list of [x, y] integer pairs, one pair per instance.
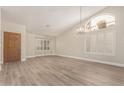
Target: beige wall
{"points": [[70, 43], [17, 28]]}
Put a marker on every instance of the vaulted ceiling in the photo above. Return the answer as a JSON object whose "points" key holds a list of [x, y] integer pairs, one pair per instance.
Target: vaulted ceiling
{"points": [[47, 20]]}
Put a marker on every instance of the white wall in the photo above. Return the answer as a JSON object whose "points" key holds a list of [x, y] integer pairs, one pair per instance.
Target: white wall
{"points": [[70, 43], [31, 44], [27, 39], [17, 28]]}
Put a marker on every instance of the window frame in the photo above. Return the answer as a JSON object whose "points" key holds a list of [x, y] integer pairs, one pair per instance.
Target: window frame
{"points": [[89, 21], [111, 28]]}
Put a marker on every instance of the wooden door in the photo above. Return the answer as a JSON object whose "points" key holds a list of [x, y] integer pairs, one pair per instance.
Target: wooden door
{"points": [[12, 47]]}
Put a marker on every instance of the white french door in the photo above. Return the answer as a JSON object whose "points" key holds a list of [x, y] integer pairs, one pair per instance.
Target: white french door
{"points": [[43, 46]]}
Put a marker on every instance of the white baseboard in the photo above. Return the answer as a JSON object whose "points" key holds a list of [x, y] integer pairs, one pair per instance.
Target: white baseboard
{"points": [[81, 58], [1, 62], [93, 60], [0, 68], [30, 56], [23, 60], [41, 55]]}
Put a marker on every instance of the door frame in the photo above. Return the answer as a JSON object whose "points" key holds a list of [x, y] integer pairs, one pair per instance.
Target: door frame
{"points": [[3, 45]]}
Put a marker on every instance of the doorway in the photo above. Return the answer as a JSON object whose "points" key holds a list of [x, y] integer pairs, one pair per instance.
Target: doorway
{"points": [[12, 47]]}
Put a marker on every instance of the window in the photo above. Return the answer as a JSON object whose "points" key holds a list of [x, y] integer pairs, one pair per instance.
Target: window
{"points": [[100, 22], [43, 44], [100, 36]]}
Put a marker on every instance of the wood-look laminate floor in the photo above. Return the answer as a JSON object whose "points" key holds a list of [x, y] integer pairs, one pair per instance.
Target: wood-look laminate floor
{"points": [[60, 71]]}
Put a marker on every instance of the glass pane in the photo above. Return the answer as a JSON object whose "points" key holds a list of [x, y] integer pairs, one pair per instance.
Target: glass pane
{"points": [[100, 22]]}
